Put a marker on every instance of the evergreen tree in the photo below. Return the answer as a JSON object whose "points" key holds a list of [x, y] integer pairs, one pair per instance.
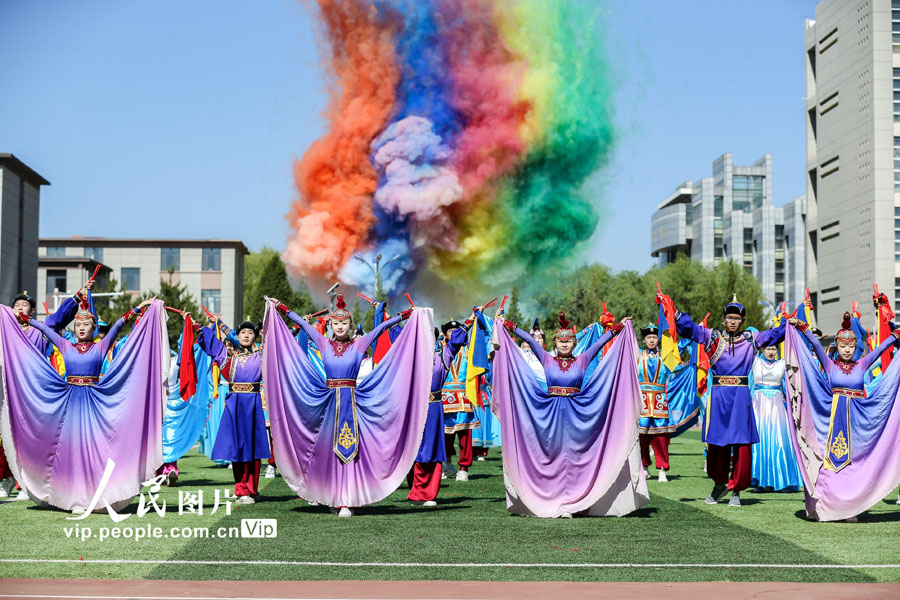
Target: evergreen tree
{"points": [[254, 264], [110, 308], [512, 309], [272, 281], [177, 296]]}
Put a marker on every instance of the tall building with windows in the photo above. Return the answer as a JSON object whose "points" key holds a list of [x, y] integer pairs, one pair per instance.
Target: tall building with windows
{"points": [[20, 203], [730, 216], [852, 137], [212, 270]]}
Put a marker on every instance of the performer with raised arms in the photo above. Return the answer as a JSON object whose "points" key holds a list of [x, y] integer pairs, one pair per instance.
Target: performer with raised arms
{"points": [[654, 427], [846, 438], [573, 448], [337, 443], [64, 435], [730, 426], [241, 439], [425, 478]]}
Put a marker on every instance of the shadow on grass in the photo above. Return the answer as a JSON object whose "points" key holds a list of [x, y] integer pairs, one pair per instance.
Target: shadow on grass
{"points": [[865, 517]]}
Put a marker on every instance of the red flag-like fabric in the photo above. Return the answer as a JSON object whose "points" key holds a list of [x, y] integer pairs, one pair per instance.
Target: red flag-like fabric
{"points": [[187, 372], [382, 345], [702, 363], [885, 314], [607, 321]]}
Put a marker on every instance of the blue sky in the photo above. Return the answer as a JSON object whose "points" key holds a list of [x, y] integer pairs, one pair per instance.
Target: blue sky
{"points": [[182, 119]]}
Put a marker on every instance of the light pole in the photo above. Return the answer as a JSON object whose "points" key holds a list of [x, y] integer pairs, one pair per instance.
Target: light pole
{"points": [[377, 269]]}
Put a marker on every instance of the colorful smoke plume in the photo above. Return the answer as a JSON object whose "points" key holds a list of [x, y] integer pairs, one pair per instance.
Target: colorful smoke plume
{"points": [[460, 134]]}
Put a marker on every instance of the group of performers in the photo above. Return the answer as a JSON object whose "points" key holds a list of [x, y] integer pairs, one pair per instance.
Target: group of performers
{"points": [[349, 416]]}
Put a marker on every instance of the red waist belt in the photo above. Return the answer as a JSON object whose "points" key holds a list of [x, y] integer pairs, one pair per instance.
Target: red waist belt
{"points": [[556, 390], [838, 391], [82, 380], [340, 383]]}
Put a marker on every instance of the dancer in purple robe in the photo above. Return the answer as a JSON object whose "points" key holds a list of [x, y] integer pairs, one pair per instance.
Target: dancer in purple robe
{"points": [[241, 439], [573, 448], [845, 437], [730, 427], [25, 304], [425, 478], [80, 438], [337, 443]]}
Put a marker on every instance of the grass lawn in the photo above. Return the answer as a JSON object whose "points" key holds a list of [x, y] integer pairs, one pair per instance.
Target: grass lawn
{"points": [[471, 525]]}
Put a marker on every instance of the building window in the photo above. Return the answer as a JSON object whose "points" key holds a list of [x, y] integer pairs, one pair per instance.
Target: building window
{"points": [[56, 281], [896, 233], [131, 279], [896, 92], [781, 243], [170, 259], [897, 164], [718, 245], [895, 25], [747, 192], [94, 253], [56, 251], [748, 250], [212, 300], [212, 259]]}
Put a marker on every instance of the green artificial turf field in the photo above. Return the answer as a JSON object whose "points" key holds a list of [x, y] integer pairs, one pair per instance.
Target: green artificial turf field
{"points": [[470, 525]]}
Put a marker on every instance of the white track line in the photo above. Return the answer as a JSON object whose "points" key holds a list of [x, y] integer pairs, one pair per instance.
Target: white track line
{"points": [[297, 563]]}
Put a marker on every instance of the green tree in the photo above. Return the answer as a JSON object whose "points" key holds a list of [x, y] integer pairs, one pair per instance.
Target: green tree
{"points": [[110, 308], [254, 263], [695, 289], [513, 313], [272, 281]]}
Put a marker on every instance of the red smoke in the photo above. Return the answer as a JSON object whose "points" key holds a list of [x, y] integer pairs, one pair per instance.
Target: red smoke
{"points": [[335, 178]]}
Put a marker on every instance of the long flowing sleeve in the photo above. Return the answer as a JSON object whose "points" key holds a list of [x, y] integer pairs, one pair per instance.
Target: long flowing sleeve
{"points": [[456, 342], [211, 345], [688, 329], [63, 316], [770, 337], [110, 338], [817, 348], [591, 351], [318, 339], [56, 339], [536, 348], [872, 356]]}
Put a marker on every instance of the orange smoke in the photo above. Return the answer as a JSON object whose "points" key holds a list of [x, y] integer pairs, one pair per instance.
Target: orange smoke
{"points": [[335, 178]]}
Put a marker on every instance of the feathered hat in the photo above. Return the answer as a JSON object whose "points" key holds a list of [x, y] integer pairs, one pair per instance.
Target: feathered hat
{"points": [[565, 331], [340, 311], [735, 308], [846, 334], [84, 311]]}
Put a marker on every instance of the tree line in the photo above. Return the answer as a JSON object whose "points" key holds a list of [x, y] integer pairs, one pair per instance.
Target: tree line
{"points": [[695, 289]]}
